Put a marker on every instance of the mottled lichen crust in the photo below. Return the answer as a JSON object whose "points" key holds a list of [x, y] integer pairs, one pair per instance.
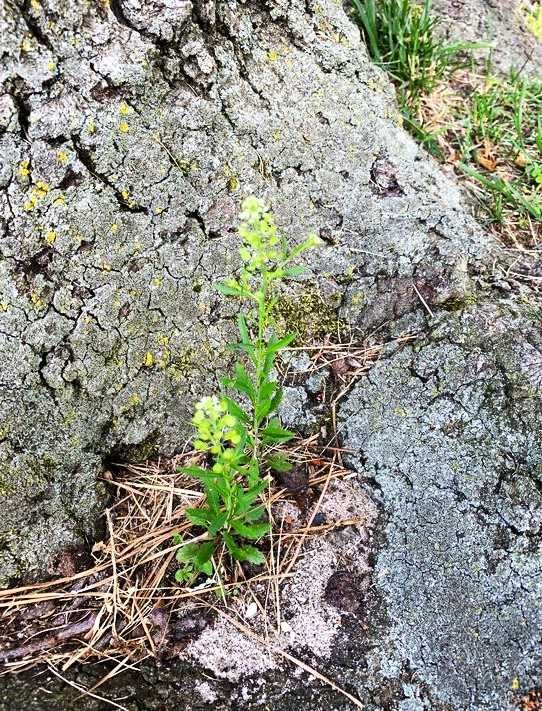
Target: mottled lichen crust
{"points": [[450, 432], [129, 131]]}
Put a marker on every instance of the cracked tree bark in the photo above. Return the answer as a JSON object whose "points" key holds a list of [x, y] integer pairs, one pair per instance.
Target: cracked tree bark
{"points": [[129, 133]]}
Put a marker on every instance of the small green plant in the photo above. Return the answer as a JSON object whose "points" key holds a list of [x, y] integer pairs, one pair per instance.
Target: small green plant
{"points": [[401, 38], [236, 434], [504, 117]]}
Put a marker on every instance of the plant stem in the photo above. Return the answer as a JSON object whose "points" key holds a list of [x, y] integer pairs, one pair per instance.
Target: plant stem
{"points": [[260, 355]]}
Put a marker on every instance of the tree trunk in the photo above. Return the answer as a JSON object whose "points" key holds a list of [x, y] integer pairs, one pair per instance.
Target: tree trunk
{"points": [[130, 132]]}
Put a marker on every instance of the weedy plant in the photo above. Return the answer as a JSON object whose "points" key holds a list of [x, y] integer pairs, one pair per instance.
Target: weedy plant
{"points": [[499, 137], [401, 38], [236, 435]]}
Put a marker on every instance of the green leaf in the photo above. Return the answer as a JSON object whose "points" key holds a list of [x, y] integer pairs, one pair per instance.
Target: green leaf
{"points": [[242, 383], [253, 530], [205, 553], [251, 555], [243, 330], [235, 410], [229, 290], [282, 342], [217, 523], [187, 553], [243, 553], [207, 568], [279, 463], [200, 517], [275, 402], [254, 514], [267, 397], [248, 497], [183, 575], [177, 539], [202, 474], [274, 433]]}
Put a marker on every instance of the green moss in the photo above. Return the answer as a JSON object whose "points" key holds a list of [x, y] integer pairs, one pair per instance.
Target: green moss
{"points": [[308, 315], [31, 473], [145, 450], [181, 365]]}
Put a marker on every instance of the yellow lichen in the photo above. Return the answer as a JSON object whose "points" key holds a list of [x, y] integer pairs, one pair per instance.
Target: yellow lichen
{"points": [[148, 360], [534, 20], [91, 126], [51, 65], [124, 127], [60, 200], [24, 169], [233, 184], [272, 55], [26, 45], [132, 402], [36, 300], [62, 157], [114, 228], [41, 188], [50, 237], [124, 109]]}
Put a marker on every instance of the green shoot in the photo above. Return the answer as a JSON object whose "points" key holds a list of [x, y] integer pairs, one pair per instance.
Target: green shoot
{"points": [[236, 433], [401, 37]]}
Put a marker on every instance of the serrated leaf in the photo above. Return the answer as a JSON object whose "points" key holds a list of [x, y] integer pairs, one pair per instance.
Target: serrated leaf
{"points": [[199, 517], [182, 576], [282, 342], [254, 514], [228, 290], [236, 410], [274, 432], [242, 382], [243, 553], [250, 530], [275, 402], [217, 523], [245, 500], [199, 473], [243, 330], [187, 553], [207, 568], [205, 553]]}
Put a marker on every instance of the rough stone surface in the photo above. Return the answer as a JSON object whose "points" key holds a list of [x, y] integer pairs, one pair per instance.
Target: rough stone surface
{"points": [[449, 432], [500, 24], [130, 131]]}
